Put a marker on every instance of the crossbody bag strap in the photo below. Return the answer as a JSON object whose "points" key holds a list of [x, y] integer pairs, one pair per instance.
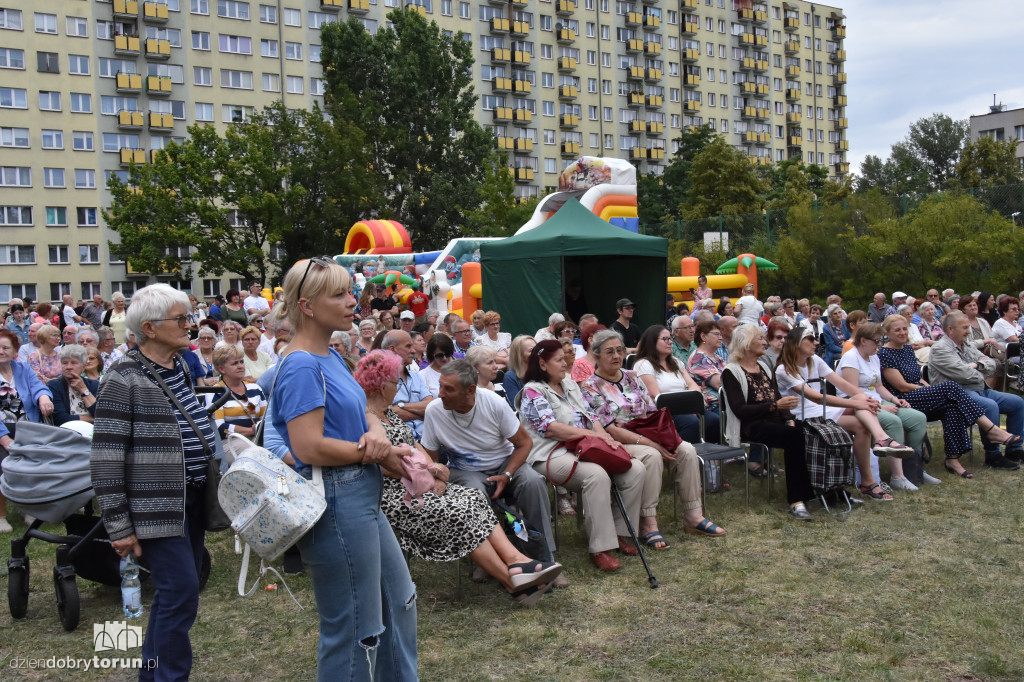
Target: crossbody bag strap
{"points": [[174, 399]]}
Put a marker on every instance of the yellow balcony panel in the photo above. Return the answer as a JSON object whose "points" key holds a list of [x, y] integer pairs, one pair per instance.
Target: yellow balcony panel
{"points": [[760, 17], [762, 113], [129, 156], [637, 126], [792, 71], [689, 54], [159, 86], [791, 46], [691, 106], [636, 99], [569, 120], [502, 84], [839, 78], [129, 82], [749, 87], [566, 64], [359, 6], [747, 39], [793, 117], [568, 92], [524, 144], [760, 40], [764, 160], [565, 7], [689, 4], [838, 31], [130, 120], [634, 45], [745, 14], [794, 141], [842, 167], [655, 128], [839, 100], [747, 63], [844, 145], [652, 48], [499, 25], [750, 136], [653, 75], [502, 113], [570, 148], [566, 35], [654, 100], [158, 49], [689, 28], [651, 21], [505, 142], [520, 57], [752, 159], [634, 19], [655, 153], [125, 9], [637, 153], [636, 72], [521, 86], [332, 5], [522, 116], [154, 12], [501, 54], [524, 174], [791, 24], [749, 112], [520, 28], [764, 138], [842, 123], [161, 121], [156, 155], [760, 65], [839, 56], [127, 45], [793, 93], [691, 80], [763, 90], [419, 9]]}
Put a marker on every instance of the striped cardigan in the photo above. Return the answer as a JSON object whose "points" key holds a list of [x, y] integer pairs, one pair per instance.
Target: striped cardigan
{"points": [[137, 461]]}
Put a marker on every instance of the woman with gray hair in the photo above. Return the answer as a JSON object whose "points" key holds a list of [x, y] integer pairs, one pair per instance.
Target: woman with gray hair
{"points": [[835, 334], [74, 396], [931, 328], [85, 336], [206, 340], [230, 332], [485, 360], [115, 317], [151, 443], [341, 341]]}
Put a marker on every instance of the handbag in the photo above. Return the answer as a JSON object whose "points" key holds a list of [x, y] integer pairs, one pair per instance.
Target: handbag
{"points": [[596, 451], [657, 426], [214, 518]]}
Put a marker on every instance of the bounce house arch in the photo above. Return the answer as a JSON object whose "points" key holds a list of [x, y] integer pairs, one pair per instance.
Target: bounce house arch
{"points": [[378, 236]]}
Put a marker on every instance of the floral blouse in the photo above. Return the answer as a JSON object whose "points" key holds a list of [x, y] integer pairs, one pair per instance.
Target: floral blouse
{"points": [[536, 411], [46, 368], [618, 402], [11, 407], [702, 367], [932, 332]]}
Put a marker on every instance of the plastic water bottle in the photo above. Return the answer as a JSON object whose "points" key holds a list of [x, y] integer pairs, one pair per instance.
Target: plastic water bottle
{"points": [[131, 587]]}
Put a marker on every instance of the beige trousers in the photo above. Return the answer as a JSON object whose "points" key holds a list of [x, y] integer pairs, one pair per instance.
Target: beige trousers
{"points": [[685, 476]]}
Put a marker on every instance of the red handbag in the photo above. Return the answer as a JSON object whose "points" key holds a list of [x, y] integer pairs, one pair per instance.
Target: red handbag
{"points": [[596, 451], [658, 426]]}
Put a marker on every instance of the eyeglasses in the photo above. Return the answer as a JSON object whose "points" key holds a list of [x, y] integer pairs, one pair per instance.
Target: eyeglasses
{"points": [[464, 331], [665, 339], [323, 262], [442, 356], [618, 350], [779, 337], [180, 319], [567, 332], [494, 324], [258, 320]]}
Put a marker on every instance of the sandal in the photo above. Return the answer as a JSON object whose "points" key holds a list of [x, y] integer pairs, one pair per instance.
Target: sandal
{"points": [[962, 474], [653, 539], [533, 573], [1011, 439], [875, 492], [705, 527], [891, 448], [757, 471], [530, 595]]}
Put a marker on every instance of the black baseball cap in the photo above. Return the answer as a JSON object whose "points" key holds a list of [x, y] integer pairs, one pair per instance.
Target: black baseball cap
{"points": [[623, 302]]}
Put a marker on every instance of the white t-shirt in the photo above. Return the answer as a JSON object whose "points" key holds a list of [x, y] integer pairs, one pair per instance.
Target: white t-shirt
{"points": [[791, 386], [477, 440], [432, 378], [543, 335], [255, 303], [869, 372], [1002, 330], [503, 342], [752, 309], [667, 381]]}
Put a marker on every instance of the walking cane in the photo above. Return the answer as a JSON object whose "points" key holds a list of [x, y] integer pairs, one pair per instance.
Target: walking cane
{"points": [[632, 534]]}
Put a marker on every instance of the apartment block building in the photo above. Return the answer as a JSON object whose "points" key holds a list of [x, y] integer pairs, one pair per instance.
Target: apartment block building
{"points": [[89, 86], [1001, 124]]}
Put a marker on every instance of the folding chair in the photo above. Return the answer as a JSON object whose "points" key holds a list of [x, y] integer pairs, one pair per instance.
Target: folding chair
{"points": [[629, 361], [692, 402], [767, 462], [1011, 370]]}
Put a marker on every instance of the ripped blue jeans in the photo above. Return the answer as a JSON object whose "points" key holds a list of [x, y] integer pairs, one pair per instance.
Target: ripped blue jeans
{"points": [[364, 595]]}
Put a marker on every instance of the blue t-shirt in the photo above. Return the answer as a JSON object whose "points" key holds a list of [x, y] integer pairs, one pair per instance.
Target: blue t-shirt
{"points": [[300, 389]]}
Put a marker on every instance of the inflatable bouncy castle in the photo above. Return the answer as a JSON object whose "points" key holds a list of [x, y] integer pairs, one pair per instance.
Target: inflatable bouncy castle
{"points": [[607, 187]]}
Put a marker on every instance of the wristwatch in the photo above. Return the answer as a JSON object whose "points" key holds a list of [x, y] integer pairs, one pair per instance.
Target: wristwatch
{"points": [[85, 393], [508, 474], [401, 406]]}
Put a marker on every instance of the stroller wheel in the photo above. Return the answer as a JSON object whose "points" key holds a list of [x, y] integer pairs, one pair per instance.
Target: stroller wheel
{"points": [[17, 588], [204, 570], [67, 600]]}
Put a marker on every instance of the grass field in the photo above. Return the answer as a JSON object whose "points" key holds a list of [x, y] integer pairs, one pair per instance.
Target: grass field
{"points": [[928, 587]]}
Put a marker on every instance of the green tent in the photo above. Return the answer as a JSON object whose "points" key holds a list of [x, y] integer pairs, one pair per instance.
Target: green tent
{"points": [[525, 277]]}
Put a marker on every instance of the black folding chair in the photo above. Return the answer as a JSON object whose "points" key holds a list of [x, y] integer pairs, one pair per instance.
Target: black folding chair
{"points": [[767, 462], [1011, 366], [628, 362], [692, 402]]}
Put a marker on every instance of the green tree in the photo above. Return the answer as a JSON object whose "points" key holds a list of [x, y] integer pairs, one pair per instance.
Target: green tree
{"points": [[500, 214], [722, 182], [790, 176], [986, 162], [936, 141], [409, 87], [660, 198]]}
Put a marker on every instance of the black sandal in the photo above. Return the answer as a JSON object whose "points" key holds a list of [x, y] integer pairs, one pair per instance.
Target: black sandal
{"points": [[757, 471], [1011, 441], [964, 474]]}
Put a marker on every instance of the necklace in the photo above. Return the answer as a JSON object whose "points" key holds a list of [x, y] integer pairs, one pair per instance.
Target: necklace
{"points": [[378, 415], [472, 416]]}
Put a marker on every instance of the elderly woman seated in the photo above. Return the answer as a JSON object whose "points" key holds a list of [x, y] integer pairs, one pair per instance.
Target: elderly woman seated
{"points": [[776, 335], [930, 327], [553, 411], [74, 396], [485, 362], [453, 521], [834, 335], [495, 338], [758, 412], [617, 396], [856, 413]]}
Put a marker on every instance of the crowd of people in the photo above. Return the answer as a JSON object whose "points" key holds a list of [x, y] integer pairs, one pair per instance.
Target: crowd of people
{"points": [[357, 385]]}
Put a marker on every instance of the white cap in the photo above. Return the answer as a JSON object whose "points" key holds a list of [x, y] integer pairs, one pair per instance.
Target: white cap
{"points": [[407, 315], [898, 294]]}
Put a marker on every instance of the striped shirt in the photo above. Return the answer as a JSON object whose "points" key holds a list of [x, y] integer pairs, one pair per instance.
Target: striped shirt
{"points": [[195, 455], [239, 412]]}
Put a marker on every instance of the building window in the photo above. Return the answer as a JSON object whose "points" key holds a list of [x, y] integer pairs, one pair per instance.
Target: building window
{"points": [[271, 82], [268, 48], [235, 44], [293, 50], [85, 178], [11, 58], [464, 12], [232, 9], [88, 254], [59, 289], [10, 19], [314, 50], [13, 98], [81, 103], [200, 40], [211, 288], [90, 289], [78, 64], [236, 79], [46, 23], [294, 84], [53, 177], [20, 216], [204, 111], [53, 139], [59, 254], [292, 17], [268, 14], [202, 75], [14, 137], [200, 7], [317, 86], [15, 176], [56, 216], [48, 62], [87, 216]]}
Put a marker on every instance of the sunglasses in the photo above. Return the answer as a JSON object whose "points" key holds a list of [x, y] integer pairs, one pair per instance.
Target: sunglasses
{"points": [[442, 356], [323, 262]]}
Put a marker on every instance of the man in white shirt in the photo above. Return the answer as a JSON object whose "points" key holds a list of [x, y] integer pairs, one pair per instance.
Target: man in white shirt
{"points": [[255, 303], [27, 348], [485, 444]]}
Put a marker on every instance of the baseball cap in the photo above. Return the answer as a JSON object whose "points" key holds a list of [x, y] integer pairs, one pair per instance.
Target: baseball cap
{"points": [[898, 294], [407, 315], [623, 302], [381, 287]]}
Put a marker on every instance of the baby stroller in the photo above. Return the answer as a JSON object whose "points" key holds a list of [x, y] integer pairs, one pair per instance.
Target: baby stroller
{"points": [[47, 476]]}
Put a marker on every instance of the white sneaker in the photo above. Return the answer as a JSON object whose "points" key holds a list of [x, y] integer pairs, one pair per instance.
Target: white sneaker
{"points": [[5, 527], [901, 484], [28, 519], [929, 480]]}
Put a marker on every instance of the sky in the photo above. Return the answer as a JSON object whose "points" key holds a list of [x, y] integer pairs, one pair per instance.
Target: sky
{"points": [[908, 59]]}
